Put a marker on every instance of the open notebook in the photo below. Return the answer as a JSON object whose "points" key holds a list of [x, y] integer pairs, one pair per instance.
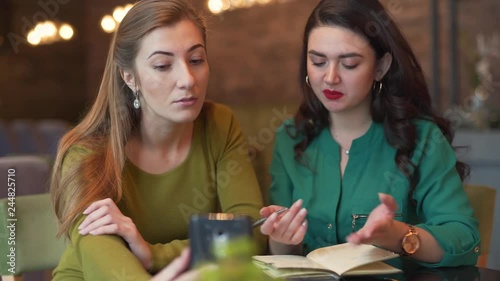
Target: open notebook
{"points": [[338, 260]]}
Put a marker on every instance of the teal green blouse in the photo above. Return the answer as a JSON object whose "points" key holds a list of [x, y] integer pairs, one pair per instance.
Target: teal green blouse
{"points": [[339, 205]]}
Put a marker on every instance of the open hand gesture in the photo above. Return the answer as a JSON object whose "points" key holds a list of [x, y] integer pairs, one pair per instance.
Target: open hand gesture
{"points": [[379, 223]]}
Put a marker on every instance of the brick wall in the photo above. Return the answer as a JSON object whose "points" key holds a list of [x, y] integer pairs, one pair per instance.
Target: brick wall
{"points": [[253, 54]]}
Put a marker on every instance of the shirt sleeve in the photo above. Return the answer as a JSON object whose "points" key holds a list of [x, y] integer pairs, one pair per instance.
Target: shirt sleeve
{"points": [[442, 203]]}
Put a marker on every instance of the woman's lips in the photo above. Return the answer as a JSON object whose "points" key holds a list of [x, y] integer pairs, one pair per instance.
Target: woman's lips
{"points": [[186, 101], [333, 95]]}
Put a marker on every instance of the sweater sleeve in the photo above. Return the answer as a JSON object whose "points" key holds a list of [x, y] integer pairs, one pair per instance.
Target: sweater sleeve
{"points": [[106, 257], [100, 257], [442, 203], [163, 254]]}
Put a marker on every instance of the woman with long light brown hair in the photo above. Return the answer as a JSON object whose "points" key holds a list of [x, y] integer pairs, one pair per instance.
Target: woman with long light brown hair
{"points": [[149, 153]]}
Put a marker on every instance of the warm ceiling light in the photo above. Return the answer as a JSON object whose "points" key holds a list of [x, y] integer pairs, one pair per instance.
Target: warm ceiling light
{"points": [[119, 13], [48, 29], [108, 23], [34, 38], [237, 3], [220, 6], [128, 7], [215, 6], [66, 32], [49, 32]]}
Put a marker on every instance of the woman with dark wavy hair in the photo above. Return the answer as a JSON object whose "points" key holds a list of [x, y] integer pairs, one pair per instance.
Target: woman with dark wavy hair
{"points": [[366, 159]]}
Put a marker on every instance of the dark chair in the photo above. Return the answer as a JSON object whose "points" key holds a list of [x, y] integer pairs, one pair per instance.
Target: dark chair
{"points": [[5, 140], [25, 137], [51, 131]]}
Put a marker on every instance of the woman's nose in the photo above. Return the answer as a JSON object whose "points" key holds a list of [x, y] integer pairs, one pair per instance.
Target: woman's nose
{"points": [[332, 75], [185, 78]]}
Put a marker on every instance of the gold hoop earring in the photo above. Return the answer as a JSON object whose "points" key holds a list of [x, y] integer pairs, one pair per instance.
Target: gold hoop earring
{"points": [[307, 81], [380, 87]]}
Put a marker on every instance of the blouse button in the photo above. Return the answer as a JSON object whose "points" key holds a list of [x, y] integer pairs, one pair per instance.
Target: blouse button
{"points": [[476, 250], [329, 226]]}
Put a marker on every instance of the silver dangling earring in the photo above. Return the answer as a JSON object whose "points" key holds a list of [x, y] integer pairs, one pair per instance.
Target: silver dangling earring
{"points": [[137, 102], [307, 81], [380, 86]]}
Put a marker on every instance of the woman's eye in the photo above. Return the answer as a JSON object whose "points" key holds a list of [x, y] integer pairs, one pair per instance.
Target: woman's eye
{"points": [[197, 61], [161, 67], [318, 63], [350, 66]]}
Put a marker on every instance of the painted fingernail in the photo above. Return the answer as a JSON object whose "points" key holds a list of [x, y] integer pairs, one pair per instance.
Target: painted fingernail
{"points": [[273, 216], [298, 202]]}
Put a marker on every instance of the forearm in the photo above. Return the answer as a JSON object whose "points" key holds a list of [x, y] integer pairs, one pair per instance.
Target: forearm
{"points": [[430, 251]]}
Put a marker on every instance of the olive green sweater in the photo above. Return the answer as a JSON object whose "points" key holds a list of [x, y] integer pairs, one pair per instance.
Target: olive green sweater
{"points": [[217, 175]]}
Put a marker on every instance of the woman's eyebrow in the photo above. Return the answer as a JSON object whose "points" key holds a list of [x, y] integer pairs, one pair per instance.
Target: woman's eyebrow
{"points": [[342, 56], [192, 48]]}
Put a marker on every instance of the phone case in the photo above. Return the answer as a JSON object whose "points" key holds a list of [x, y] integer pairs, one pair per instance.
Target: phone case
{"points": [[206, 231]]}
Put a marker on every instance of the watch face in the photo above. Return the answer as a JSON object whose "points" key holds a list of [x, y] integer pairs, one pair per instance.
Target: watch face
{"points": [[411, 243]]}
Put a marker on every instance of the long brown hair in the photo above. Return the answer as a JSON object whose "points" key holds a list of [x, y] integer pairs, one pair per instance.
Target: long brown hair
{"points": [[404, 97], [105, 129]]}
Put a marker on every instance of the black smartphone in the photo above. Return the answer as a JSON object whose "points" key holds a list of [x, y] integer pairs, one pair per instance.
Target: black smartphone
{"points": [[206, 231]]}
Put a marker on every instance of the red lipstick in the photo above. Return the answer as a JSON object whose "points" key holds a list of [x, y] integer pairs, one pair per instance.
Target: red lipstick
{"points": [[333, 95]]}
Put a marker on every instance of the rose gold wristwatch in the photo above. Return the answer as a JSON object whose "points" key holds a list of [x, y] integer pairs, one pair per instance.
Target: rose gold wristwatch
{"points": [[410, 242]]}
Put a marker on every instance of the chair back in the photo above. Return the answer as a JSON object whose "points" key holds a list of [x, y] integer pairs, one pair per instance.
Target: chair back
{"points": [[25, 137], [51, 131], [33, 227], [31, 174], [482, 199]]}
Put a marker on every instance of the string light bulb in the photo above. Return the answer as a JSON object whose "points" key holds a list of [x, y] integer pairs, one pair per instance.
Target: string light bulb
{"points": [[109, 23], [49, 32]]}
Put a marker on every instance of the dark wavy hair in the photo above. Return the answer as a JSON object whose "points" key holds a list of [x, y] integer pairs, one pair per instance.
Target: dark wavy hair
{"points": [[404, 97]]}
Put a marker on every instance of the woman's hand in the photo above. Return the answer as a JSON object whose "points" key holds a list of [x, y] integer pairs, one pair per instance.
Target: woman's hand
{"points": [[175, 270], [288, 228], [104, 217], [379, 225]]}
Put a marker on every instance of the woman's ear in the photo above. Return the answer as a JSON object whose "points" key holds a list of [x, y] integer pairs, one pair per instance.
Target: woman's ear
{"points": [[383, 66], [129, 78]]}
